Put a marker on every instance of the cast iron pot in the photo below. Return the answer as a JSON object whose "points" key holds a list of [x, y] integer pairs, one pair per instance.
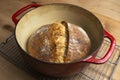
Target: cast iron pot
{"points": [[47, 14]]}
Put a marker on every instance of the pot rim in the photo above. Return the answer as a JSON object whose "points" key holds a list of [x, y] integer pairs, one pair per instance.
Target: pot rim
{"points": [[77, 61]]}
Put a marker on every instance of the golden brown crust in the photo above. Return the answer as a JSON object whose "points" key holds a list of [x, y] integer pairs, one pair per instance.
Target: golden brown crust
{"points": [[38, 44]]}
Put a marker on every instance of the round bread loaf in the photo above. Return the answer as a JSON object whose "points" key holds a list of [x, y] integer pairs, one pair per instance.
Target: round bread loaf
{"points": [[60, 42]]}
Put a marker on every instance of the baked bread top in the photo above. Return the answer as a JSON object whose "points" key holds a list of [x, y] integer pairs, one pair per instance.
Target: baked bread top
{"points": [[60, 42]]}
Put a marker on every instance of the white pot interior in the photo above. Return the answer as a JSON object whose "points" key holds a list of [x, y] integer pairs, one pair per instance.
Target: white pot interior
{"points": [[51, 13]]}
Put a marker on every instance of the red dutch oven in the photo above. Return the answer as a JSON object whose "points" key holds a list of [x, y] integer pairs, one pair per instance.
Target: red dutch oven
{"points": [[46, 14]]}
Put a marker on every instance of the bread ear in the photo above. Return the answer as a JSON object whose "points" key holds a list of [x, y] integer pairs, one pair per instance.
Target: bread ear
{"points": [[79, 43]]}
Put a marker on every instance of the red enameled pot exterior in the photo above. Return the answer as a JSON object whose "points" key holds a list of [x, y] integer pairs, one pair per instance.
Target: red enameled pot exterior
{"points": [[67, 69]]}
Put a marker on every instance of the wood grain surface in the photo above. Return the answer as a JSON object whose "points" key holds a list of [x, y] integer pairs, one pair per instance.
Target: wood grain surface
{"points": [[108, 12]]}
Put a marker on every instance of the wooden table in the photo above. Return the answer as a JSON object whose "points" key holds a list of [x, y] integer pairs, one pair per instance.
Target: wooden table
{"points": [[108, 11]]}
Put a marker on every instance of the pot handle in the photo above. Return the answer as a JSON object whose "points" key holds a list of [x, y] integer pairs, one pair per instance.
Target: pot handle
{"points": [[109, 52], [16, 14]]}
